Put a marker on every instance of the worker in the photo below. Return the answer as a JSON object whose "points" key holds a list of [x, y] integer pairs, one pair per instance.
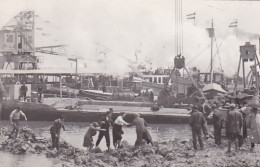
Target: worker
{"points": [[141, 130], [217, 124], [23, 91], [40, 93], [14, 119], [92, 131], [117, 129], [253, 125], [151, 96], [105, 123], [233, 126], [55, 131], [204, 108], [197, 121]]}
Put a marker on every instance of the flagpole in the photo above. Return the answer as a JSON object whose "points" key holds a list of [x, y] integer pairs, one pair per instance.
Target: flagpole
{"points": [[233, 24], [194, 21], [211, 59], [236, 31]]}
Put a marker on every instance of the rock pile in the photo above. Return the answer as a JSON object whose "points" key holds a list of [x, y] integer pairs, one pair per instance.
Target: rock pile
{"points": [[26, 142], [176, 152]]}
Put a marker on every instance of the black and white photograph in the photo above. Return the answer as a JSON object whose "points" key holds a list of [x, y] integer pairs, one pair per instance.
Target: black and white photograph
{"points": [[129, 83]]}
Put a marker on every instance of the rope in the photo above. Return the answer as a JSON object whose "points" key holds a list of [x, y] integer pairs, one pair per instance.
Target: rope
{"points": [[218, 53], [195, 57]]}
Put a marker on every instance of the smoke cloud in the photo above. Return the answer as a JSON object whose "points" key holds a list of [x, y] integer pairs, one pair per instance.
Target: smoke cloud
{"points": [[127, 28]]}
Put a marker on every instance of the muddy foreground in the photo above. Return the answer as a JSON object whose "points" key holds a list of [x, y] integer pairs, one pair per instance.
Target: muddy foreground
{"points": [[176, 152]]}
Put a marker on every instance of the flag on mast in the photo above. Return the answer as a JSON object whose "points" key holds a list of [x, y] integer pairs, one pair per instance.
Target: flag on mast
{"points": [[233, 24], [191, 16]]}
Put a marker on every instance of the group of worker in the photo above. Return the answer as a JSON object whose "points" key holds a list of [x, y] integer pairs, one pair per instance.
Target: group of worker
{"points": [[105, 122], [239, 123], [102, 125]]}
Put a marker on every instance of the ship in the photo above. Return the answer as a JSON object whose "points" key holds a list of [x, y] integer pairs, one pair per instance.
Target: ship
{"points": [[19, 64]]}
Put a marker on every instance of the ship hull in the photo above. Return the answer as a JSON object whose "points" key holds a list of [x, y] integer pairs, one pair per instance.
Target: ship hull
{"points": [[33, 111], [94, 95], [43, 112]]}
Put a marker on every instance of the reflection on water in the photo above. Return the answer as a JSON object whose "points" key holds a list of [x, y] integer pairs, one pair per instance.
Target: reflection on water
{"points": [[74, 135], [31, 160]]}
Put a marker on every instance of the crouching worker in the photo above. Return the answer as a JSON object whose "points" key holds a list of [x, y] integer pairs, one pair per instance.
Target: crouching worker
{"points": [[14, 119], [141, 130], [55, 131], [88, 138], [197, 121]]}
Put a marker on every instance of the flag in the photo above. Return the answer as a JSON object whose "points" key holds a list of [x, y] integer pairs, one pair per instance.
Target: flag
{"points": [[191, 16], [233, 24], [39, 28], [44, 34]]}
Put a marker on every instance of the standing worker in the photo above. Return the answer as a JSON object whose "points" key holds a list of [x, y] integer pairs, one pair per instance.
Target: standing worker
{"points": [[23, 91], [233, 126], [205, 110], [105, 123], [40, 93], [217, 124], [151, 96], [253, 125], [197, 121], [245, 111], [2, 92], [55, 131], [14, 119], [141, 130], [117, 129]]}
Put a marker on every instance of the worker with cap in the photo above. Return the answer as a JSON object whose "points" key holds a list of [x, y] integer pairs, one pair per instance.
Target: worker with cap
{"points": [[217, 123], [55, 131], [92, 131], [205, 109], [253, 126], [141, 130], [233, 126], [14, 119], [197, 121], [245, 111], [105, 123]]}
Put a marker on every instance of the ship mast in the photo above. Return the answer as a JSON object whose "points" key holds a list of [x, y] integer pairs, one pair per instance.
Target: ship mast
{"points": [[211, 35]]}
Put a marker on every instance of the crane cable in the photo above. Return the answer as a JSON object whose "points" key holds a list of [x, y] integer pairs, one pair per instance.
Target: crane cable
{"points": [[195, 57], [218, 47], [178, 28], [217, 53]]}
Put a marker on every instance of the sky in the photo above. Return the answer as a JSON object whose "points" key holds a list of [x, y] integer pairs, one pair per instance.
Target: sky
{"points": [[121, 28]]}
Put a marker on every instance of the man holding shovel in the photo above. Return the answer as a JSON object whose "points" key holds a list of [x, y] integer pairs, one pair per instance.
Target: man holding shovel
{"points": [[55, 131], [14, 119]]}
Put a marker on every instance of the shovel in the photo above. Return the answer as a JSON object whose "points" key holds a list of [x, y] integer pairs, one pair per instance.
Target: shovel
{"points": [[26, 125]]}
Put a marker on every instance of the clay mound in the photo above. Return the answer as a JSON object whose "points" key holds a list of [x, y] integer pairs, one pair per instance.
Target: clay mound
{"points": [[176, 152]]}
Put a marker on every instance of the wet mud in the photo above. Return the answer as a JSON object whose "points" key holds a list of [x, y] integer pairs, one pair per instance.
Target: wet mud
{"points": [[175, 152]]}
